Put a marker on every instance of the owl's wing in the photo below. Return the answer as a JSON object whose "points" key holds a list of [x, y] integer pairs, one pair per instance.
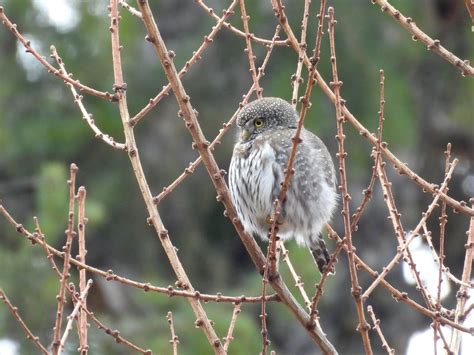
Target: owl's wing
{"points": [[318, 155]]}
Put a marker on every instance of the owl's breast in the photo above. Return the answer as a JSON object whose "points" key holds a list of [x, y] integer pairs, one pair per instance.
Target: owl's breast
{"points": [[251, 180]]}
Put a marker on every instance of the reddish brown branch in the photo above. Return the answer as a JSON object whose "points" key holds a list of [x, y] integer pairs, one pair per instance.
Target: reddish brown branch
{"points": [[81, 228], [363, 327], [403, 242], [109, 275], [79, 305], [70, 233], [403, 296], [432, 45], [134, 157], [377, 328], [29, 49], [174, 338], [85, 115], [236, 31], [248, 48], [226, 127], [29, 335], [462, 294], [208, 39], [229, 337]]}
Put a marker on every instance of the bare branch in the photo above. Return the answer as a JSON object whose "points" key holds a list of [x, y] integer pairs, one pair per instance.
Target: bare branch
{"points": [[16, 315], [80, 304], [462, 294], [229, 337], [70, 233], [417, 34], [85, 115], [174, 338], [235, 30], [376, 322], [81, 228], [363, 327], [133, 154], [29, 49], [193, 60], [248, 48]]}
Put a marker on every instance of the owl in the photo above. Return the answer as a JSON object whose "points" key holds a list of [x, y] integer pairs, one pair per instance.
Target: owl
{"points": [[257, 169]]}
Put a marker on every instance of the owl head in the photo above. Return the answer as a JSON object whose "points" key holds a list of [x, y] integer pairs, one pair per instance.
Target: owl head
{"points": [[265, 114]]}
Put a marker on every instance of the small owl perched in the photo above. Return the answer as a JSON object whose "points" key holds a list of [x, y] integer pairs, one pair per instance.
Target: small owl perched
{"points": [[257, 168]]}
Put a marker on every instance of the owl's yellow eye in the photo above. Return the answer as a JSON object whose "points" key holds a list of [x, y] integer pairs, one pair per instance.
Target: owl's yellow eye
{"points": [[258, 123]]}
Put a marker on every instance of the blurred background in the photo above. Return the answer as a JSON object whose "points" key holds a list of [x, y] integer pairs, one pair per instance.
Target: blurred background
{"points": [[41, 132]]}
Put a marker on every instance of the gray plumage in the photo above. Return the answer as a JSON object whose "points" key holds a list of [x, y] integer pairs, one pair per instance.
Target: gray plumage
{"points": [[257, 168]]}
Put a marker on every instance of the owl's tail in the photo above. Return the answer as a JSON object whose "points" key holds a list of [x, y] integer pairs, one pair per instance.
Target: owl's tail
{"points": [[320, 255]]}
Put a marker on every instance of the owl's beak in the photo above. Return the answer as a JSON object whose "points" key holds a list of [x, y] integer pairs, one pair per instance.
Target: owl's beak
{"points": [[244, 135]]}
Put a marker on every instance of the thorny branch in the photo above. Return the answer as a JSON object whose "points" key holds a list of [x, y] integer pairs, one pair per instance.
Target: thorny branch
{"points": [[29, 49], [363, 327], [376, 326], [85, 115], [79, 305], [70, 233], [174, 338], [29, 335], [229, 337], [462, 294], [248, 48], [417, 34], [120, 87]]}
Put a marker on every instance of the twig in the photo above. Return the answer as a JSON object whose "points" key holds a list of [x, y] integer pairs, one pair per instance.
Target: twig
{"points": [[130, 8], [113, 333], [299, 284], [376, 155], [85, 115], [81, 228], [403, 242], [324, 276], [442, 224], [229, 337], [462, 294], [403, 296], [202, 145], [70, 233], [29, 49], [226, 126], [432, 45], [16, 315], [80, 304], [235, 30], [248, 48], [146, 287], [363, 327], [449, 275], [376, 322], [470, 9], [154, 219], [174, 338], [208, 39], [297, 78]]}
